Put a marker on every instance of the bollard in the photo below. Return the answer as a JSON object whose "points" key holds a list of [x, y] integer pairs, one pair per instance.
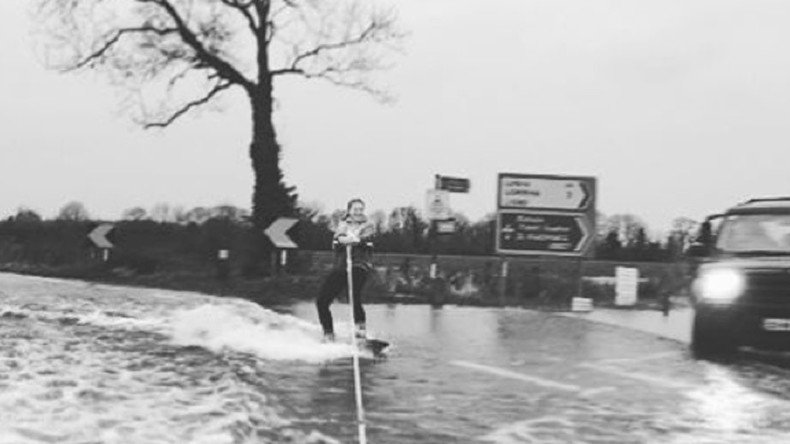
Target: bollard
{"points": [[503, 281], [283, 259], [223, 266], [666, 303]]}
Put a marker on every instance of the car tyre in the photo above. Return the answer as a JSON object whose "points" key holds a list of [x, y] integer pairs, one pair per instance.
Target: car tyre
{"points": [[711, 338]]}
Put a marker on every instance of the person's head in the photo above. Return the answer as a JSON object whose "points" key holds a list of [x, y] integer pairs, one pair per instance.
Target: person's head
{"points": [[356, 208]]}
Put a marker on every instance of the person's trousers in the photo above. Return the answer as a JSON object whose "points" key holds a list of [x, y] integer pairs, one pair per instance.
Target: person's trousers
{"points": [[336, 282]]}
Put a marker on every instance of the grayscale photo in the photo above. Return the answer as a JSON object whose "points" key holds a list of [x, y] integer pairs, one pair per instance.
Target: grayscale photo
{"points": [[394, 222]]}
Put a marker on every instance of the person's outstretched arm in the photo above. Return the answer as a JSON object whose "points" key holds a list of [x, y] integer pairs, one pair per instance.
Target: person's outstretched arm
{"points": [[366, 232]]}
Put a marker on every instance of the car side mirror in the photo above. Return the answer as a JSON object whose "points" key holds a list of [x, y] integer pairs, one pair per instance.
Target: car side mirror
{"points": [[697, 250]]}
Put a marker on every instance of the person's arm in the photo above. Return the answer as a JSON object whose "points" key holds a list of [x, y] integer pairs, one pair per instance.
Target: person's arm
{"points": [[366, 231]]}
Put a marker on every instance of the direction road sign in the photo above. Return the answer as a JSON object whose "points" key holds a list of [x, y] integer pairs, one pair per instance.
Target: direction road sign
{"points": [[277, 232], [541, 192], [99, 236], [543, 233], [452, 184]]}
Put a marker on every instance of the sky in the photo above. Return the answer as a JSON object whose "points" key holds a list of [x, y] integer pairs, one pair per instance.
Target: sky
{"points": [[678, 107]]}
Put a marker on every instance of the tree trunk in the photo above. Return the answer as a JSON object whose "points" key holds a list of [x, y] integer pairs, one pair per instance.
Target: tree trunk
{"points": [[271, 199]]}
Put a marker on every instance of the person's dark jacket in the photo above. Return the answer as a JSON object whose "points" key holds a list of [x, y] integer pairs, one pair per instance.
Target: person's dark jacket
{"points": [[362, 253]]}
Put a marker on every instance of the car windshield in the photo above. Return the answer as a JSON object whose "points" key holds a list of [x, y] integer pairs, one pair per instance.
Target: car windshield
{"points": [[759, 233]]}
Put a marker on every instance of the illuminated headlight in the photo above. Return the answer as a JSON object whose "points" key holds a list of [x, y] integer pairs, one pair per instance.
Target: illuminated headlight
{"points": [[722, 285]]}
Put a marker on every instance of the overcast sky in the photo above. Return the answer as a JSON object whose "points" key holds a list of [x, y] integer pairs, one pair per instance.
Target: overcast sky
{"points": [[680, 108]]}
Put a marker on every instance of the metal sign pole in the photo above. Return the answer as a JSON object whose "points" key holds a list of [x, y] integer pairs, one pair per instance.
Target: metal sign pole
{"points": [[580, 278]]}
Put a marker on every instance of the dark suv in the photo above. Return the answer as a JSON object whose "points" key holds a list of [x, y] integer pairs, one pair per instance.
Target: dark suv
{"points": [[741, 289]]}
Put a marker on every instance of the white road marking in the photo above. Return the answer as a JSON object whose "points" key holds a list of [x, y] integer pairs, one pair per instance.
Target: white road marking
{"points": [[520, 376], [769, 367], [637, 359], [655, 380], [596, 391]]}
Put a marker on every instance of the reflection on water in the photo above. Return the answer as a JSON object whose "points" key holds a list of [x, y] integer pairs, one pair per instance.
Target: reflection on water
{"points": [[726, 405]]}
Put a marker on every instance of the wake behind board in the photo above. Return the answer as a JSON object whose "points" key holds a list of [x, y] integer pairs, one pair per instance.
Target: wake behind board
{"points": [[377, 347]]}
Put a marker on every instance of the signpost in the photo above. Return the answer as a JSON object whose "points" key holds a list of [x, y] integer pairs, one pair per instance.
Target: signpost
{"points": [[547, 215], [438, 212], [99, 238]]}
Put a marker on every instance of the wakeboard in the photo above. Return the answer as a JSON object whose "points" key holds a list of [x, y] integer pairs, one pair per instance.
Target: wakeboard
{"points": [[377, 347]]}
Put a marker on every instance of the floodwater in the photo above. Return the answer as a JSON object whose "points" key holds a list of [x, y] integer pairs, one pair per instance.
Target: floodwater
{"points": [[84, 363]]}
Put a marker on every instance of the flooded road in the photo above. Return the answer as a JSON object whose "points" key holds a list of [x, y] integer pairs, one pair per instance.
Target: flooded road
{"points": [[83, 363]]}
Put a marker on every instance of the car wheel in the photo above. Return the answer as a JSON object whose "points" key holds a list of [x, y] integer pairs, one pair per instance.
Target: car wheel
{"points": [[711, 338]]}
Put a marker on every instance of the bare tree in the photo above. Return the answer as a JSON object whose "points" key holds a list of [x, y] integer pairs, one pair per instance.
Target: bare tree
{"points": [[379, 220], [26, 215], [310, 211], [176, 56], [198, 215], [229, 212], [162, 212], [73, 211], [683, 229], [136, 213], [630, 228], [180, 215]]}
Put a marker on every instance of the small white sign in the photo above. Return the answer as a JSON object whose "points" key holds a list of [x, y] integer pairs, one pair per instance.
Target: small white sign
{"points": [[581, 304], [626, 282], [437, 204], [445, 226]]}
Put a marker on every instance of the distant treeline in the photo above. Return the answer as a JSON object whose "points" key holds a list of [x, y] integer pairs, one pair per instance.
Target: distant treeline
{"points": [[170, 238]]}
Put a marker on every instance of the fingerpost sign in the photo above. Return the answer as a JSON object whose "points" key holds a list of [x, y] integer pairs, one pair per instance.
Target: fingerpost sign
{"points": [[545, 215]]}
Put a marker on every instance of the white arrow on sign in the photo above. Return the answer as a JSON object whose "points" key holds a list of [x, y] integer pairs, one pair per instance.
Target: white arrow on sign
{"points": [[99, 236], [276, 232], [545, 193]]}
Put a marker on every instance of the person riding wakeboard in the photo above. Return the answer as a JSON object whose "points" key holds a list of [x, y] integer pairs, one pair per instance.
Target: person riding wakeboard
{"points": [[354, 229]]}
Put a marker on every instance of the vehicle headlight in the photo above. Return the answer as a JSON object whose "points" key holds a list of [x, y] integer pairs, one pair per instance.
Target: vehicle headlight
{"points": [[722, 285]]}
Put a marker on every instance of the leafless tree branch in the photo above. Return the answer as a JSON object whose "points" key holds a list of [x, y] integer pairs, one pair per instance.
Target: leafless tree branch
{"points": [[243, 8], [339, 77], [224, 69], [218, 87], [350, 53], [109, 43]]}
